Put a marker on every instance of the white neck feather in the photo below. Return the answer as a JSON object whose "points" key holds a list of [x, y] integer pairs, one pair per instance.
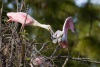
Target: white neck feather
{"points": [[36, 23]]}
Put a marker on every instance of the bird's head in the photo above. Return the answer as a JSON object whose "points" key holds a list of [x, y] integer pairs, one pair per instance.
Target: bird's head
{"points": [[48, 27], [57, 36]]}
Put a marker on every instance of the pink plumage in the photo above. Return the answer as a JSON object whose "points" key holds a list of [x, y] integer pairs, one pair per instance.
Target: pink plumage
{"points": [[38, 61], [68, 25], [61, 36], [20, 17], [26, 19]]}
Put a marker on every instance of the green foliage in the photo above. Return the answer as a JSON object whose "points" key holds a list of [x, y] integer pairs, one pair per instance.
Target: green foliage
{"points": [[86, 38], [89, 47]]}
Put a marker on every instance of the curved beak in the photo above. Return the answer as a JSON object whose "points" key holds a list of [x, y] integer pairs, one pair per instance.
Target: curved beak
{"points": [[54, 39], [51, 32]]}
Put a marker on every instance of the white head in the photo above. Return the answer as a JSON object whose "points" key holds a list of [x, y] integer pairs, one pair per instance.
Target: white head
{"points": [[57, 36], [48, 27]]}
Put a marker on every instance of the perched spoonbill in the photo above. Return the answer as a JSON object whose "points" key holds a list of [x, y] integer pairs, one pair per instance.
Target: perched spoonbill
{"points": [[61, 36], [26, 19]]}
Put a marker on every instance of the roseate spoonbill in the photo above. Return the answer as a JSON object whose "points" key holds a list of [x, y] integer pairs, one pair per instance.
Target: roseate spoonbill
{"points": [[40, 62], [26, 19], [37, 61], [61, 36]]}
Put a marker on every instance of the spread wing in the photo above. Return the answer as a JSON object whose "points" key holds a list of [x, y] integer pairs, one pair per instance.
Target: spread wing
{"points": [[68, 25]]}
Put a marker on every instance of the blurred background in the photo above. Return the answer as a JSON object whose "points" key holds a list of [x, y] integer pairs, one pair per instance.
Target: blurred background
{"points": [[84, 42]]}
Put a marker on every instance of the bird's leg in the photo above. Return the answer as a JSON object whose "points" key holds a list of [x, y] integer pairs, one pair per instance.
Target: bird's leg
{"points": [[9, 20]]}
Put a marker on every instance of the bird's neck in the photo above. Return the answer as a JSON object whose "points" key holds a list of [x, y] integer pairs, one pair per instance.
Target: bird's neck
{"points": [[64, 37], [36, 23], [64, 34], [42, 25]]}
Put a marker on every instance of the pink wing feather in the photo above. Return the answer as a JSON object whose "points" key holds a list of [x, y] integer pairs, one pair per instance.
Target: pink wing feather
{"points": [[20, 17], [68, 25], [28, 18]]}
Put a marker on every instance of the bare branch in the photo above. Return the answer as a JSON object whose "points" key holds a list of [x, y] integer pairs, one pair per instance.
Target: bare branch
{"points": [[45, 44], [55, 50], [79, 59], [65, 62]]}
